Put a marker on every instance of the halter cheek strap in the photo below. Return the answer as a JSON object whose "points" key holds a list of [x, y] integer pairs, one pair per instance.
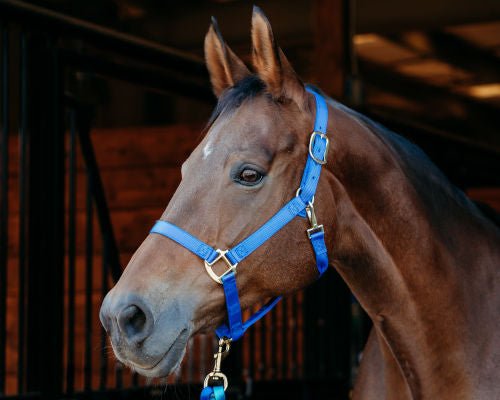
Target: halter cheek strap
{"points": [[301, 204]]}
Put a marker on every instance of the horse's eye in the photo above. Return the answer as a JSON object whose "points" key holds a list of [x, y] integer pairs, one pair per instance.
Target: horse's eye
{"points": [[246, 174], [250, 176]]}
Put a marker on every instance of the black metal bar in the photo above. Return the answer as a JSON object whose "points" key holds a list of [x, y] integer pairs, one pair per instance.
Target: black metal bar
{"points": [[70, 368], [46, 227], [160, 79], [5, 205], [274, 342], [251, 352], [324, 303], [108, 237], [284, 338], [293, 345], [119, 375], [104, 336], [89, 252], [22, 213], [202, 349], [262, 350], [330, 312]]}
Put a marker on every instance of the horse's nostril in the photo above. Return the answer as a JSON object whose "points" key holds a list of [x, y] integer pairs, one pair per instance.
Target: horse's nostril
{"points": [[134, 323]]}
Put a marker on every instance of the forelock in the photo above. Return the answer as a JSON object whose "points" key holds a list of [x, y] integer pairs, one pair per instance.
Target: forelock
{"points": [[234, 96]]}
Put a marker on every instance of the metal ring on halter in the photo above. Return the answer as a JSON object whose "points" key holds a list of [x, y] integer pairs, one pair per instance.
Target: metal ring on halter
{"points": [[210, 271], [298, 192], [216, 375]]}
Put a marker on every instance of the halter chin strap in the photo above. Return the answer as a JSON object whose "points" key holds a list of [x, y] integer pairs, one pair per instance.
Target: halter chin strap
{"points": [[301, 204]]}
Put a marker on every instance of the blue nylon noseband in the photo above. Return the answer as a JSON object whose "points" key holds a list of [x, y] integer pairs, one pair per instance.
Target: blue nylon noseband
{"points": [[301, 204]]}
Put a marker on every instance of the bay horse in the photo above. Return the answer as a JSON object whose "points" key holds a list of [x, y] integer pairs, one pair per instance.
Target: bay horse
{"points": [[420, 257]]}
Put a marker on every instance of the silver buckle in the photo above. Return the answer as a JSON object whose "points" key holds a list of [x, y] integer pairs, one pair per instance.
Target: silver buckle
{"points": [[311, 143], [210, 271]]}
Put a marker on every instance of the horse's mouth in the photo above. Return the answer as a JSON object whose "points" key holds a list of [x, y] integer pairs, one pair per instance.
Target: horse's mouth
{"points": [[167, 363]]}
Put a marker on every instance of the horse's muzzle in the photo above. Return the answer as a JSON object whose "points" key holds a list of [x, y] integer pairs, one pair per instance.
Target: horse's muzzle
{"points": [[132, 320]]}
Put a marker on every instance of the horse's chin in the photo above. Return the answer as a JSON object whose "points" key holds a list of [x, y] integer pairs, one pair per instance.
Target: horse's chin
{"points": [[168, 363]]}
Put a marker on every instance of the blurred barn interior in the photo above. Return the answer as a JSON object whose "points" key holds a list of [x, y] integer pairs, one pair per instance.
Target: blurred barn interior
{"points": [[102, 100]]}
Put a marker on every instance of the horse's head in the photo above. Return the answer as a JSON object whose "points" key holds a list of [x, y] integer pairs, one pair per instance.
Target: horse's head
{"points": [[246, 168]]}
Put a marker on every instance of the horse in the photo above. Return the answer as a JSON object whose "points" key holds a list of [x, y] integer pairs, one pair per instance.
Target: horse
{"points": [[419, 256]]}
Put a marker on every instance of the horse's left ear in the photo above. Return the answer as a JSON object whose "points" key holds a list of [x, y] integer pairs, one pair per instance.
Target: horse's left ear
{"points": [[224, 67], [271, 64]]}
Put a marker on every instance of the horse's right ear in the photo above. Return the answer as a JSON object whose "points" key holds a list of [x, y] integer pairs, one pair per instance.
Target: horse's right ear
{"points": [[224, 67]]}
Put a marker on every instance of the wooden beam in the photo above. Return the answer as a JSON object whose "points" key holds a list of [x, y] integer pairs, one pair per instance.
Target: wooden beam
{"points": [[479, 121], [454, 50], [329, 44], [383, 16]]}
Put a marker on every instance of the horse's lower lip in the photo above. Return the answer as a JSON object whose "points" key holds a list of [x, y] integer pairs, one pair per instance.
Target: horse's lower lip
{"points": [[170, 359]]}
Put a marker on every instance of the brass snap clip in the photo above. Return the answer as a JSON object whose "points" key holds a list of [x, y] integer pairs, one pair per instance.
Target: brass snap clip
{"points": [[216, 376], [311, 215]]}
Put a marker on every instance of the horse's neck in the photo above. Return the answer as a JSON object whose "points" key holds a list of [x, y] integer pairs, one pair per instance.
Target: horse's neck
{"points": [[423, 265]]}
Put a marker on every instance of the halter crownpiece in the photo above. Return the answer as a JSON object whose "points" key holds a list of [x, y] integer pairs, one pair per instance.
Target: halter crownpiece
{"points": [[301, 205]]}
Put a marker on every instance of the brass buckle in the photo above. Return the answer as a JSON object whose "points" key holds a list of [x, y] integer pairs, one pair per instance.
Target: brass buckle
{"points": [[311, 215], [311, 143], [210, 271]]}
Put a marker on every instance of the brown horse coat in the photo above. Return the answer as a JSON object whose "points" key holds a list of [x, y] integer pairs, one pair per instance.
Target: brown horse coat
{"points": [[420, 257]]}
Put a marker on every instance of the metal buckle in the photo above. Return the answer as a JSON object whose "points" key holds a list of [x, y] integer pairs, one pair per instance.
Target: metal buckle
{"points": [[210, 271], [311, 215], [318, 228], [311, 143]]}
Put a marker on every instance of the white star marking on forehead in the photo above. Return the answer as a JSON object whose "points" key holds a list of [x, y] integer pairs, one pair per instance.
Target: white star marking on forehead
{"points": [[207, 150]]}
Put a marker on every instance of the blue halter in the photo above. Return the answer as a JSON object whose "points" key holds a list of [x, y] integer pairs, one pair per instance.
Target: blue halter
{"points": [[301, 204]]}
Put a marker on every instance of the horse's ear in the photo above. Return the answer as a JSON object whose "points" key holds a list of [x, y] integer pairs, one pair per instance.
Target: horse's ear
{"points": [[224, 67], [271, 64]]}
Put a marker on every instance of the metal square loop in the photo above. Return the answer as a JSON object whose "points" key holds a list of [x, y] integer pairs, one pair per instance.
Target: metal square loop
{"points": [[210, 271], [315, 229], [311, 144]]}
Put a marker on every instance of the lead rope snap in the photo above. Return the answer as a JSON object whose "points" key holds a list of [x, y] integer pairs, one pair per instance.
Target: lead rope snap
{"points": [[311, 215], [215, 383]]}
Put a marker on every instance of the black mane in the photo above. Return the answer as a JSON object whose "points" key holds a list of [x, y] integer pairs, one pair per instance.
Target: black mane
{"points": [[426, 177], [235, 95]]}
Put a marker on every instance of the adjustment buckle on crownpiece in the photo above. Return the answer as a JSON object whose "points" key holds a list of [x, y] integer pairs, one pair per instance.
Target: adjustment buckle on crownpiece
{"points": [[311, 144], [210, 271], [311, 215]]}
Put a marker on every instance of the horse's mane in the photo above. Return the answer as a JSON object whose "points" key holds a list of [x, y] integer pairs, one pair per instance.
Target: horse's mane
{"points": [[430, 183]]}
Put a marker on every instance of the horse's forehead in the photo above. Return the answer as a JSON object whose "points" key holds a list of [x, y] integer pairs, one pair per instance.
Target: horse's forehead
{"points": [[251, 124]]}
